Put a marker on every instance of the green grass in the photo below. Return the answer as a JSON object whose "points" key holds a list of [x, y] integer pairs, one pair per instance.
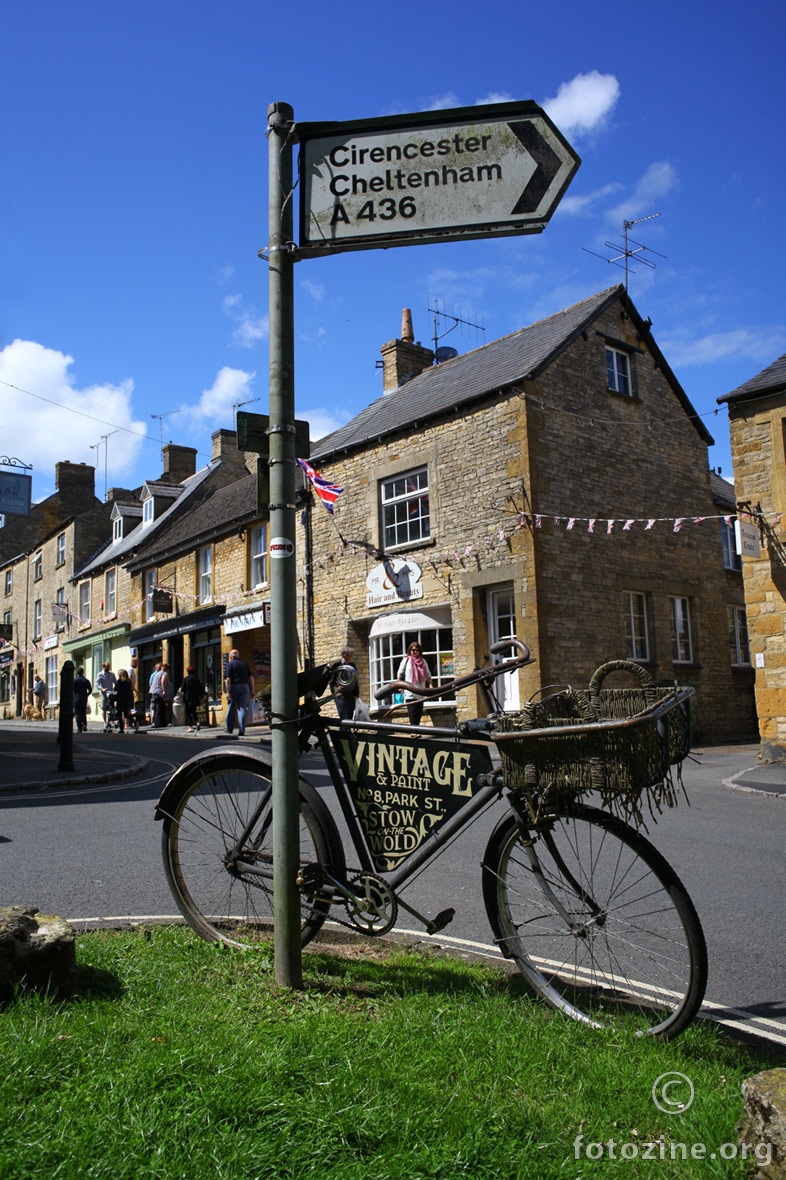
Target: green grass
{"points": [[182, 1059]]}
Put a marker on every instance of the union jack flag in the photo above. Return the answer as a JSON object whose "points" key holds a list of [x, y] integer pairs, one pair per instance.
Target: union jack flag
{"points": [[328, 492]]}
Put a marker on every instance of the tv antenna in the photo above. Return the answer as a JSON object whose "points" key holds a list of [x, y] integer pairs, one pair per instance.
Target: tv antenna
{"points": [[442, 317], [161, 418], [236, 406], [625, 251]]}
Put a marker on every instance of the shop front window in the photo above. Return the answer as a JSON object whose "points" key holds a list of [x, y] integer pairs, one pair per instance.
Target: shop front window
{"points": [[388, 650]]}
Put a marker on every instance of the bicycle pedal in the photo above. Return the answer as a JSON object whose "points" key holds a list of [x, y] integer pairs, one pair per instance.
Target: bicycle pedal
{"points": [[443, 919]]}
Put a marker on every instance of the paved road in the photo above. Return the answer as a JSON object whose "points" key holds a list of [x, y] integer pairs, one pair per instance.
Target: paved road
{"points": [[93, 852]]}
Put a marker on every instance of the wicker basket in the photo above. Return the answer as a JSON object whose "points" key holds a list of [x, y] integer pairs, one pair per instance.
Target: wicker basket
{"points": [[619, 742]]}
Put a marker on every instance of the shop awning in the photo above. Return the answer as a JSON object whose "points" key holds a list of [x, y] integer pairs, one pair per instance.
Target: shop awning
{"points": [[92, 637], [196, 620], [396, 621]]}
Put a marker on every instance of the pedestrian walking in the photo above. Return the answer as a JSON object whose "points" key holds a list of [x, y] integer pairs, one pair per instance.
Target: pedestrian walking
{"points": [[105, 683], [124, 700], [239, 685], [414, 670], [82, 690], [344, 685], [192, 691]]}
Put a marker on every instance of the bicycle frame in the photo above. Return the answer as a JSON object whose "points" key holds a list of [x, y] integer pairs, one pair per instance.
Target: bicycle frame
{"points": [[479, 785]]}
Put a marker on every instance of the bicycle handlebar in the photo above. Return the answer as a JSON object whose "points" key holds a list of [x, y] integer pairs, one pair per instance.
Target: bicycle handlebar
{"points": [[476, 677]]}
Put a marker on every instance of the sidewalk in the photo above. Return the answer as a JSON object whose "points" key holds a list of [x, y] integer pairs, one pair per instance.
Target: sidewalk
{"points": [[30, 756]]}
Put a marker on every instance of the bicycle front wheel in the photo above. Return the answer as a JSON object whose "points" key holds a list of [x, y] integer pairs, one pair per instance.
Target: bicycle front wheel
{"points": [[218, 854], [598, 922]]}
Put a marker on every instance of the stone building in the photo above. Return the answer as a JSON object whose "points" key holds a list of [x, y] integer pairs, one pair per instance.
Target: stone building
{"points": [[200, 580], [757, 421], [38, 556], [553, 485]]}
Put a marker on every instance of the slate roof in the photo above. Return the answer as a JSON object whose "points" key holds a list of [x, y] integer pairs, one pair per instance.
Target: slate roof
{"points": [[485, 371], [769, 380], [119, 551], [722, 491], [217, 512]]}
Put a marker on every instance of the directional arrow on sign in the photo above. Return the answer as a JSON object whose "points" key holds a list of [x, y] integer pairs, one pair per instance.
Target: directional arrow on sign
{"points": [[434, 176]]}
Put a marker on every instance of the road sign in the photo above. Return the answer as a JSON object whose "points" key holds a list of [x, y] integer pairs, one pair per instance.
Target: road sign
{"points": [[437, 176]]}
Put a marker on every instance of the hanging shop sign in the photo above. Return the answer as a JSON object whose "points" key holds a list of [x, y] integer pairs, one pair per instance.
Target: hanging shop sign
{"points": [[747, 538], [247, 620], [394, 580]]}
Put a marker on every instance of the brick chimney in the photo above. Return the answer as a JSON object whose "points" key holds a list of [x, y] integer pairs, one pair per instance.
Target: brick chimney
{"points": [[179, 463], [76, 483], [225, 450], [403, 359]]}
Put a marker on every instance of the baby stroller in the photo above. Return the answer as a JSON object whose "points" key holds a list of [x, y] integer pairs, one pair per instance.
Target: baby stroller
{"points": [[112, 714], [113, 718]]}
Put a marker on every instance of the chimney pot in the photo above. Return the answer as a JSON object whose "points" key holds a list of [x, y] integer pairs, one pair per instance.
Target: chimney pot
{"points": [[407, 333]]}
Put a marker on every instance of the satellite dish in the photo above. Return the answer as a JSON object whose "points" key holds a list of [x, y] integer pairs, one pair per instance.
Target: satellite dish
{"points": [[446, 353]]}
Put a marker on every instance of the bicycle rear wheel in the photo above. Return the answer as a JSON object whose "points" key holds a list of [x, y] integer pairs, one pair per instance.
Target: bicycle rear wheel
{"points": [[218, 854], [598, 922]]}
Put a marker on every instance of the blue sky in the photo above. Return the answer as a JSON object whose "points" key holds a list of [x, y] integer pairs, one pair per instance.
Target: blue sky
{"points": [[133, 201]]}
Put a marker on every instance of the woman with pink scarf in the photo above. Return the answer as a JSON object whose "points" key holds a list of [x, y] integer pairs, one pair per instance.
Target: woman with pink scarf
{"points": [[414, 669]]}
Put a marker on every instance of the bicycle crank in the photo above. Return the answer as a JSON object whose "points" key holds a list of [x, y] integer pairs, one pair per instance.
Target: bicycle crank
{"points": [[372, 908]]}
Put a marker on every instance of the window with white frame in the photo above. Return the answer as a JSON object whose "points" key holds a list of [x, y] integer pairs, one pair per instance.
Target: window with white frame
{"points": [[60, 612], [148, 509], [738, 635], [110, 592], [258, 557], [731, 558], [681, 639], [61, 546], [37, 619], [404, 503], [206, 574], [636, 626], [9, 581], [117, 529], [52, 687], [38, 564], [84, 604], [387, 650], [618, 370], [149, 579]]}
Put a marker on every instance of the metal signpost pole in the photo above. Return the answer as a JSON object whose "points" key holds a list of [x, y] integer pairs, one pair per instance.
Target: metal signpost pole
{"points": [[283, 585]]}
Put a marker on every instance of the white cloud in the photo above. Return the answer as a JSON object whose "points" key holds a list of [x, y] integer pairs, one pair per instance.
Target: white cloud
{"points": [[225, 274], [583, 104], [659, 180], [577, 205], [315, 290], [250, 326], [494, 96], [69, 421], [760, 345], [217, 403], [322, 422], [442, 102]]}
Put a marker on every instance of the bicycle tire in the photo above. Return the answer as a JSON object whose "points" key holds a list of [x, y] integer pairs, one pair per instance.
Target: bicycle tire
{"points": [[205, 807], [607, 934]]}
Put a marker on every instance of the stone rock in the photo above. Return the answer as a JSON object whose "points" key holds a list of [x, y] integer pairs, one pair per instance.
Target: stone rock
{"points": [[37, 949], [763, 1120]]}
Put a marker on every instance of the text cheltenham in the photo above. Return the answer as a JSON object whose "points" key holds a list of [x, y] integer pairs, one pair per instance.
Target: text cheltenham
{"points": [[391, 180]]}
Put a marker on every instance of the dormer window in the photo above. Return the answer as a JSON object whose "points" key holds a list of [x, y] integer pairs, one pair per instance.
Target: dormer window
{"points": [[147, 511], [117, 529]]}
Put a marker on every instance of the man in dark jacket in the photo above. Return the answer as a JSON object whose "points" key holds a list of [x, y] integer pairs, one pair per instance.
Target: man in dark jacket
{"points": [[82, 690], [239, 684], [193, 691]]}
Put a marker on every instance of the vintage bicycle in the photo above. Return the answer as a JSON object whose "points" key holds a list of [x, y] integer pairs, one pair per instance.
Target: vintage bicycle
{"points": [[597, 921]]}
